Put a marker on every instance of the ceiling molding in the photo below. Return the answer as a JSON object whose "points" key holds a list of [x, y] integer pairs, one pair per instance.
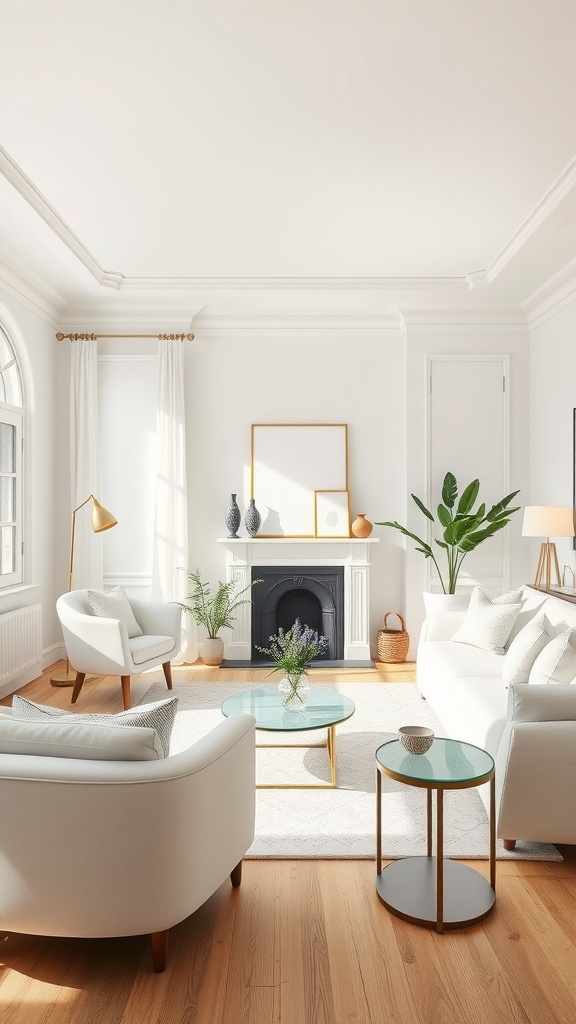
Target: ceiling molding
{"points": [[27, 189], [30, 290], [558, 191], [199, 284], [552, 296]]}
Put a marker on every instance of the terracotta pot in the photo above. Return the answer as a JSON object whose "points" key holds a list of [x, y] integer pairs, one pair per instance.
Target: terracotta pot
{"points": [[361, 527], [211, 650]]}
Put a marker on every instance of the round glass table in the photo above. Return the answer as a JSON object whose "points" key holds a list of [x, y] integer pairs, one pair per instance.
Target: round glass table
{"points": [[325, 710], [431, 891]]}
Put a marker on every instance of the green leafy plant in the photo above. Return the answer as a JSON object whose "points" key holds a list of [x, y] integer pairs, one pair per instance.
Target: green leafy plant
{"points": [[214, 611], [464, 528], [292, 650]]}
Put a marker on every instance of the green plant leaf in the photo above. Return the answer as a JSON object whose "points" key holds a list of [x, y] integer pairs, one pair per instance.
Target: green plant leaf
{"points": [[444, 515], [468, 498], [497, 509], [449, 490], [474, 539], [423, 508]]}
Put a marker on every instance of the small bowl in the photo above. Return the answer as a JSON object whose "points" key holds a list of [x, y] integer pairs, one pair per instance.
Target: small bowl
{"points": [[417, 739]]}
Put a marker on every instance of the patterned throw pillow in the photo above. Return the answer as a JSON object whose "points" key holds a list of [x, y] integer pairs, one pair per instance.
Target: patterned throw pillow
{"points": [[113, 604], [159, 716], [524, 650], [488, 623], [556, 663]]}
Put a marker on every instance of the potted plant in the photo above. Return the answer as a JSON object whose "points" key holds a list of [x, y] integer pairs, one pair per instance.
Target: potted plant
{"points": [[214, 611], [292, 651], [463, 527]]}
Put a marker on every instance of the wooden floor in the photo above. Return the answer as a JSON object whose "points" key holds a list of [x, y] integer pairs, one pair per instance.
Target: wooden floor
{"points": [[307, 942]]}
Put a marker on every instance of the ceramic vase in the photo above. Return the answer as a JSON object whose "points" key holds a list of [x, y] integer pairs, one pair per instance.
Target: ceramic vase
{"points": [[294, 690], [361, 527], [232, 518], [252, 519], [211, 650]]}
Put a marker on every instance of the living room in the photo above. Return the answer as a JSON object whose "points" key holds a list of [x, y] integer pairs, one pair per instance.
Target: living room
{"points": [[363, 213]]}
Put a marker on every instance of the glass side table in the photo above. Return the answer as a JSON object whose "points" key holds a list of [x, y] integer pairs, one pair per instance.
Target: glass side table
{"points": [[431, 891]]}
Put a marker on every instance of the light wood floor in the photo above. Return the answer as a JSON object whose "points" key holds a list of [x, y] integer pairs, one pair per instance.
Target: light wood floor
{"points": [[306, 942]]}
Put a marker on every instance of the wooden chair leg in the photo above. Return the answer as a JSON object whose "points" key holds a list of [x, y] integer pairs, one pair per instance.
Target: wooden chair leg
{"points": [[509, 844], [236, 875], [167, 674], [159, 941], [80, 677], [126, 691]]}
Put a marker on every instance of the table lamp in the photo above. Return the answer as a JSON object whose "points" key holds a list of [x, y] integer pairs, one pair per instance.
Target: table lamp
{"points": [[101, 519], [548, 521]]}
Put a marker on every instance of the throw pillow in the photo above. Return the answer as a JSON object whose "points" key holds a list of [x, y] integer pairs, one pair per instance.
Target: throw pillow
{"points": [[159, 716], [524, 650], [65, 737], [487, 623], [556, 663], [113, 604]]}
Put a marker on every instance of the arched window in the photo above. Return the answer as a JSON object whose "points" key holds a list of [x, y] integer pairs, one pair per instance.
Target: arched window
{"points": [[11, 469]]}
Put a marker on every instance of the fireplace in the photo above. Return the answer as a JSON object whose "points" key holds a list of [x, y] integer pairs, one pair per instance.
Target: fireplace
{"points": [[333, 596], [313, 594]]}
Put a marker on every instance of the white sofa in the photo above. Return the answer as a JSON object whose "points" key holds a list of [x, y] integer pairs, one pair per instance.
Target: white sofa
{"points": [[530, 729], [99, 848]]}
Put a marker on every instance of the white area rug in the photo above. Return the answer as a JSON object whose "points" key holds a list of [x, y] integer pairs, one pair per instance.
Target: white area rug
{"points": [[342, 822]]}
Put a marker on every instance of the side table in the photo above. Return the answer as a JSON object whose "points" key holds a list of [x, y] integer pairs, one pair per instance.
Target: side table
{"points": [[431, 891]]}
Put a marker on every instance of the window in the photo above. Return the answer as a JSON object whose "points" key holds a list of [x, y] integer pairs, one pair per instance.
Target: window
{"points": [[11, 416]]}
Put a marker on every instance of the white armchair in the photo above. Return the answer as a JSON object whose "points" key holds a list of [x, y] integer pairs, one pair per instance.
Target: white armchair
{"points": [[101, 646], [92, 848]]}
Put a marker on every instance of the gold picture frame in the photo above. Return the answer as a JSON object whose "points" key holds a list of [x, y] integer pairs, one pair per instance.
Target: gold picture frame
{"points": [[289, 462], [332, 513]]}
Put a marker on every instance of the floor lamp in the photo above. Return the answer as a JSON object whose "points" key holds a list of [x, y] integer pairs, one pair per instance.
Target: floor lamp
{"points": [[548, 521], [101, 519]]}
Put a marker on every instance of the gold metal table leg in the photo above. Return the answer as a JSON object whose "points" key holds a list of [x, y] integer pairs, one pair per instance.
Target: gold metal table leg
{"points": [[330, 746]]}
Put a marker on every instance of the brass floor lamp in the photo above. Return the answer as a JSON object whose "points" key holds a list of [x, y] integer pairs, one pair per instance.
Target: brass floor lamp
{"points": [[101, 519]]}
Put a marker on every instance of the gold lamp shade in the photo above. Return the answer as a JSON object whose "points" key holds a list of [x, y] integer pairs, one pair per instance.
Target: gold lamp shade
{"points": [[101, 519]]}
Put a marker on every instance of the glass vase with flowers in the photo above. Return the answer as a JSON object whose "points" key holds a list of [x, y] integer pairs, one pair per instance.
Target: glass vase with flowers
{"points": [[292, 650]]}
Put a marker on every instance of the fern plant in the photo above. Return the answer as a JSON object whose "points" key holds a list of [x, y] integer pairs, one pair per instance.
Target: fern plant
{"points": [[214, 611], [464, 529]]}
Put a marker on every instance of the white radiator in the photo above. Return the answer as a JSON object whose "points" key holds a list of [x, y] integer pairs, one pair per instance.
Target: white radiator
{"points": [[20, 641]]}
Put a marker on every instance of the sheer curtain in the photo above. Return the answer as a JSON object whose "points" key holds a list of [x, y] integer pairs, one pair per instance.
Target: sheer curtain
{"points": [[85, 462], [170, 552]]}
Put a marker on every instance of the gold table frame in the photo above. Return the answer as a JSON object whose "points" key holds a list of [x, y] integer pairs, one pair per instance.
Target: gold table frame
{"points": [[330, 746], [468, 898]]}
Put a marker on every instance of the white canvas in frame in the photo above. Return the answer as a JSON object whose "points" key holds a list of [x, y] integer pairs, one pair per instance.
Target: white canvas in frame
{"points": [[289, 463], [332, 517]]}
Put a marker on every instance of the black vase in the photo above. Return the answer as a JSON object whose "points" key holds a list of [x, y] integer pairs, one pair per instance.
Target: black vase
{"points": [[252, 519], [232, 518]]}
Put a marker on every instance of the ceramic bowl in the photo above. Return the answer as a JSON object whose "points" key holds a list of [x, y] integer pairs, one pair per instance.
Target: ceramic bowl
{"points": [[417, 739]]}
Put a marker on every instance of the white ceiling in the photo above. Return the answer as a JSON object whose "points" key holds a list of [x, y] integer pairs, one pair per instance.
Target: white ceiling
{"points": [[284, 138]]}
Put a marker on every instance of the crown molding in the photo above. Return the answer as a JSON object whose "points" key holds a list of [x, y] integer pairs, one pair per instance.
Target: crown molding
{"points": [[106, 319], [30, 290], [27, 189], [559, 291], [560, 188], [498, 318]]}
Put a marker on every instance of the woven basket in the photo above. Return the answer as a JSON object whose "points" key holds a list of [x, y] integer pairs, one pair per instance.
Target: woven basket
{"points": [[393, 644]]}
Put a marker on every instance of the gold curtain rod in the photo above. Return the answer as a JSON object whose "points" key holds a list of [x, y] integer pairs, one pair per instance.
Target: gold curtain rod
{"points": [[95, 337]]}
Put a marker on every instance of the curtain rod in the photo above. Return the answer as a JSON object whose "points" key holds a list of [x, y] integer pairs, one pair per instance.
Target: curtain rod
{"points": [[95, 337]]}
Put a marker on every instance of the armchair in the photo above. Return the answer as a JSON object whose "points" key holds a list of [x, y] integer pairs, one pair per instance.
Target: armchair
{"points": [[92, 848], [102, 646]]}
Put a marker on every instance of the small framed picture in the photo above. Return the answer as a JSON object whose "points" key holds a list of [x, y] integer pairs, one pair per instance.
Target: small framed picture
{"points": [[331, 513]]}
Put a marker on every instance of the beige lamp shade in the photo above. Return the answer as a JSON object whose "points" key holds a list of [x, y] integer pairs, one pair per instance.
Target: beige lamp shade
{"points": [[548, 521]]}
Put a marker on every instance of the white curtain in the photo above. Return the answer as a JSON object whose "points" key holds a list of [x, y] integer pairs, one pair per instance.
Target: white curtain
{"points": [[170, 554], [85, 462]]}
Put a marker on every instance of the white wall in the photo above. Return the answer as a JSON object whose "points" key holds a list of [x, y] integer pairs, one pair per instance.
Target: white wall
{"points": [[552, 399]]}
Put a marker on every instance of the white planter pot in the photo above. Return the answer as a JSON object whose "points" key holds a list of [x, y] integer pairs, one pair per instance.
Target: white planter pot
{"points": [[211, 650], [446, 602]]}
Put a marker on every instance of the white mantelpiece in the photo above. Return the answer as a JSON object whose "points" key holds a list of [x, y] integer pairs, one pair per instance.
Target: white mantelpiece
{"points": [[349, 552]]}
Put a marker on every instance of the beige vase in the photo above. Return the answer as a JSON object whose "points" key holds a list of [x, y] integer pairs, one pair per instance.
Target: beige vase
{"points": [[361, 527], [211, 650]]}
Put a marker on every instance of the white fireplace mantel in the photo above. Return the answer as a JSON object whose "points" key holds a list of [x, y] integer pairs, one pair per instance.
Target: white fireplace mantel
{"points": [[349, 552]]}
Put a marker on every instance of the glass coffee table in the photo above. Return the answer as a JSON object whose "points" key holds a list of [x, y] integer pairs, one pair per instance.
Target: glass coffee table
{"points": [[325, 710], [431, 891]]}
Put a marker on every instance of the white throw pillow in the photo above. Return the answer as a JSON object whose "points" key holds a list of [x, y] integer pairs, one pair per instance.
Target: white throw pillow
{"points": [[159, 716], [113, 604], [556, 663], [65, 737], [524, 650], [488, 623]]}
